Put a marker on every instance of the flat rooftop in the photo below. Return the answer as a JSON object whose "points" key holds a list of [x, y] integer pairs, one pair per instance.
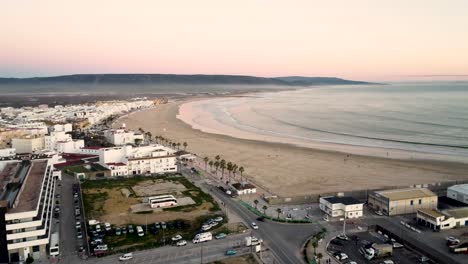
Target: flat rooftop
{"points": [[431, 212], [346, 200], [458, 213], [405, 194], [28, 198], [462, 188]]}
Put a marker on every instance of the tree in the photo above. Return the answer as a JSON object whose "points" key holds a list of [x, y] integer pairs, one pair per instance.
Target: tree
{"points": [[174, 145], [264, 209], [30, 259], [278, 210], [222, 166], [256, 203], [217, 157], [149, 135], [211, 165], [206, 159], [319, 256], [185, 145], [241, 170], [234, 170], [216, 164], [229, 168], [315, 245]]}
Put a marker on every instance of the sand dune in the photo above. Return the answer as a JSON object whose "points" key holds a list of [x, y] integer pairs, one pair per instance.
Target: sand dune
{"points": [[290, 170]]}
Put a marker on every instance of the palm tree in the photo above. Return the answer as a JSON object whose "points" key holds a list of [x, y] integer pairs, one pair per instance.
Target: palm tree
{"points": [[229, 168], [149, 135], [217, 157], [178, 145], [241, 170], [222, 166], [234, 170], [264, 209], [206, 159], [185, 145], [315, 245], [278, 210], [256, 203], [174, 145], [211, 165], [319, 256], [216, 164]]}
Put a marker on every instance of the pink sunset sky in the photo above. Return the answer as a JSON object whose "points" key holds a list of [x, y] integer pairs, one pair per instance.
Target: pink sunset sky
{"points": [[354, 39]]}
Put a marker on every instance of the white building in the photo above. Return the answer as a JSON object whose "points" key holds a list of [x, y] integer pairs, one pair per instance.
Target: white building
{"points": [[27, 190], [28, 144], [244, 188], [341, 206], [458, 192], [122, 136], [446, 219], [129, 160], [70, 146], [7, 152]]}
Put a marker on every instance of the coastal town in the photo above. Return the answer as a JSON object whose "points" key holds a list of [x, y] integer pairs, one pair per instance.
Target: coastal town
{"points": [[78, 186]]}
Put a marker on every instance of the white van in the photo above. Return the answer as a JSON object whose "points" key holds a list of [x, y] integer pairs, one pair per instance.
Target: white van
{"points": [[139, 230], [202, 237]]}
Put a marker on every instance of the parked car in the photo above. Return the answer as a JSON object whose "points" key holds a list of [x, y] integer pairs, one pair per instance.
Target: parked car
{"points": [[130, 229], [176, 238], [124, 230], [181, 243], [341, 256], [163, 225], [79, 235], [125, 257], [118, 232], [220, 236], [254, 225], [379, 213], [231, 252], [342, 237], [219, 219]]}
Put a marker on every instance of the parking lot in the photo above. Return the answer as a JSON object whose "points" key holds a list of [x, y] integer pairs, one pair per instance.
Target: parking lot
{"points": [[351, 248]]}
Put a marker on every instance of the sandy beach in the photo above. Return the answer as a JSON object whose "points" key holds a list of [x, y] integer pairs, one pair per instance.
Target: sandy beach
{"points": [[289, 170]]}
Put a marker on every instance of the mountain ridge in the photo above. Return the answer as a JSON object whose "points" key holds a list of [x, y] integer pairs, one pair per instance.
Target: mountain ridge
{"points": [[153, 79]]}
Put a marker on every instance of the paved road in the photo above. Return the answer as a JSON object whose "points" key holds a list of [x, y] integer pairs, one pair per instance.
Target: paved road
{"points": [[192, 253], [284, 240]]}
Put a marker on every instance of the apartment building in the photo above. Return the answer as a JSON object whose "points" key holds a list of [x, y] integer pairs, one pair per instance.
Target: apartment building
{"points": [[27, 190], [122, 136], [348, 207], [129, 160], [28, 144], [402, 201]]}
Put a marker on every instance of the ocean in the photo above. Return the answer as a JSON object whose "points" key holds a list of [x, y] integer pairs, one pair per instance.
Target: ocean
{"points": [[415, 117]]}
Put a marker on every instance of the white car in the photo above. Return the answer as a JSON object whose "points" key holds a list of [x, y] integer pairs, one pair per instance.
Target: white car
{"points": [[341, 256], [352, 262], [254, 225], [125, 257], [219, 219], [176, 238], [181, 243]]}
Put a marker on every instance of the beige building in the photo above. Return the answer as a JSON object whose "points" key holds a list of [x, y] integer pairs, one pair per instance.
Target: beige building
{"points": [[402, 201], [28, 144], [7, 134]]}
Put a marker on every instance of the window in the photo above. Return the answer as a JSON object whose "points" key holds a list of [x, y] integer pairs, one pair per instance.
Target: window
{"points": [[412, 202], [420, 201], [35, 248]]}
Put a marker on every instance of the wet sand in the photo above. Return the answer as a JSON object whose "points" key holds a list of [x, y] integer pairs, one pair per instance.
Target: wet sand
{"points": [[289, 170]]}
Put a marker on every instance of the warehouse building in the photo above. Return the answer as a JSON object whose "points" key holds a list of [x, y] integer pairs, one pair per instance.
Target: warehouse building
{"points": [[458, 192], [402, 201], [446, 219]]}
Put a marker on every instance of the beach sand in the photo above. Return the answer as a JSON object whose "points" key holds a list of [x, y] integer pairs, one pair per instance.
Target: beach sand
{"points": [[288, 170]]}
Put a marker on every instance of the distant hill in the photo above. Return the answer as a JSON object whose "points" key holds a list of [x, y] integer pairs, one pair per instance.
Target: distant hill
{"points": [[155, 79]]}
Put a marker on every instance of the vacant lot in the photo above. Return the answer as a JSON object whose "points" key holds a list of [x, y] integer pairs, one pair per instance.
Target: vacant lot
{"points": [[111, 200]]}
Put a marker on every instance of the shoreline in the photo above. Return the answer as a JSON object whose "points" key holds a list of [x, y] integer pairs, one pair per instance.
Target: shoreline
{"points": [[287, 169]]}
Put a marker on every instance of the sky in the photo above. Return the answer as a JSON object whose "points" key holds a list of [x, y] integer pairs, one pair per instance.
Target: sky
{"points": [[358, 39]]}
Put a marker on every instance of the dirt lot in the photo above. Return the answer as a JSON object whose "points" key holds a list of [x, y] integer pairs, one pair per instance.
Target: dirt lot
{"points": [[109, 201]]}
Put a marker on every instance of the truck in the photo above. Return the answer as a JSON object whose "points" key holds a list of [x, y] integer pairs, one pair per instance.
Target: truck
{"points": [[457, 249], [252, 241], [202, 237], [375, 250], [54, 249]]}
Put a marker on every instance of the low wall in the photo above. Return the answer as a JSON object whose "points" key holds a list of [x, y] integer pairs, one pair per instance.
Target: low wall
{"points": [[440, 188]]}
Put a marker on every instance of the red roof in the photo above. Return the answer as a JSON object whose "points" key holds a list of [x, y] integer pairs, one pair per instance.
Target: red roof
{"points": [[117, 164]]}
